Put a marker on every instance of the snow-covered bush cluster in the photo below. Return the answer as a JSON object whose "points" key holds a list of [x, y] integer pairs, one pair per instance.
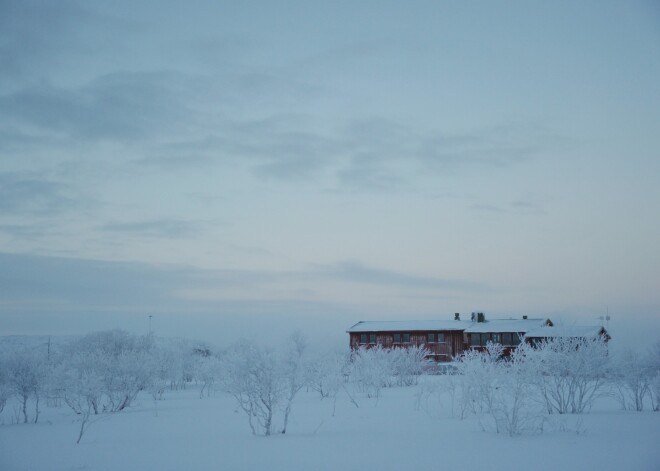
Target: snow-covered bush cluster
{"points": [[104, 372], [372, 369], [636, 379], [522, 392]]}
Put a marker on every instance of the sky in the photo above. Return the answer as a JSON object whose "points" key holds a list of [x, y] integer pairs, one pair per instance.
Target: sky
{"points": [[245, 169]]}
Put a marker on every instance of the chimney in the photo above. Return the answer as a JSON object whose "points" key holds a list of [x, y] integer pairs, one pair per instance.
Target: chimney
{"points": [[457, 316], [525, 317], [480, 317], [473, 317]]}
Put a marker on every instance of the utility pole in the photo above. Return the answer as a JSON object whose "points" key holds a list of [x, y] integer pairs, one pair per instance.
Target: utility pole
{"points": [[150, 316]]}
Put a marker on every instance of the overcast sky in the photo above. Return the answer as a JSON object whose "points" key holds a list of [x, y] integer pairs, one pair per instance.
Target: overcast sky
{"points": [[232, 167]]}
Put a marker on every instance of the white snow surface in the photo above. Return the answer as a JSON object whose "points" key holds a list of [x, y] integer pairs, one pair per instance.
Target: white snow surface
{"points": [[410, 326], [394, 432], [586, 331], [504, 325]]}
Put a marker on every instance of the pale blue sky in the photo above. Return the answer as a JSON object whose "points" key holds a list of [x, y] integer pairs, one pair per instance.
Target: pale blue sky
{"points": [[226, 165]]}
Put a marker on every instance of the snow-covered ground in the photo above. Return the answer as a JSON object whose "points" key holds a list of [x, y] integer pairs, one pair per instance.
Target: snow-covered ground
{"points": [[394, 432]]}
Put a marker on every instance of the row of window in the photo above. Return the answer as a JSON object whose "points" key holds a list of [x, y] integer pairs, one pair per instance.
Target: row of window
{"points": [[402, 338], [508, 339]]}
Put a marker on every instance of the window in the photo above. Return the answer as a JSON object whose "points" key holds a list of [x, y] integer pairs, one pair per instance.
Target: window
{"points": [[430, 338], [485, 338], [506, 339], [406, 338], [363, 338], [397, 338], [372, 338], [475, 340], [515, 339], [441, 338], [497, 338]]}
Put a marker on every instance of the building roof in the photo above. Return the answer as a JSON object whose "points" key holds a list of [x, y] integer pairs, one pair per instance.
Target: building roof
{"points": [[410, 326], [504, 325], [488, 326], [586, 331]]}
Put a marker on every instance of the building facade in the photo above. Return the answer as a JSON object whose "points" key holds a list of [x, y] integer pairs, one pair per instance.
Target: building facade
{"points": [[448, 339]]}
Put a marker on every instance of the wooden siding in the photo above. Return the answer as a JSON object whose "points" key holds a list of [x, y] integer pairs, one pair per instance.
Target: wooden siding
{"points": [[452, 346]]}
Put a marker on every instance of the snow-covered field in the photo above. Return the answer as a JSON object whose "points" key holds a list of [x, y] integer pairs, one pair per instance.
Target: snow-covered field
{"points": [[395, 432]]}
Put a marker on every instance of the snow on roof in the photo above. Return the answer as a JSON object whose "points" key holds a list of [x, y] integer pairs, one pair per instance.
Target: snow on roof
{"points": [[504, 325], [586, 331], [402, 326]]}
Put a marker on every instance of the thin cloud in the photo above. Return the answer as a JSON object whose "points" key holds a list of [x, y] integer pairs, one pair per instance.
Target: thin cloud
{"points": [[356, 272], [165, 228], [122, 106], [25, 193]]}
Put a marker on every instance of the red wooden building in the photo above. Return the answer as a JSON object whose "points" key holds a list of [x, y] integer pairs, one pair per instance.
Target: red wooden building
{"points": [[445, 339]]}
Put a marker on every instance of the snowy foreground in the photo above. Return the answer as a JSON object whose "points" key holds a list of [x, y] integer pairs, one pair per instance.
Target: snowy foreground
{"points": [[403, 429]]}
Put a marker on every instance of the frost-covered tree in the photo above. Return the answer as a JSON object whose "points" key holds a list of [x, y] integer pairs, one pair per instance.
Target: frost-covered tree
{"points": [[480, 373], [25, 378], [208, 370], [371, 370], [295, 371], [82, 381], [654, 374], [327, 373], [166, 361], [512, 405], [408, 364], [569, 373], [631, 374], [120, 362], [253, 378], [5, 391]]}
